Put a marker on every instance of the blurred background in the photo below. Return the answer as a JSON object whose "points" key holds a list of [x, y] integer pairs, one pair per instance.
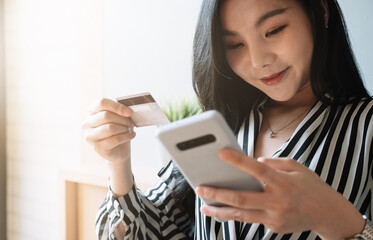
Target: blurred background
{"points": [[56, 58]]}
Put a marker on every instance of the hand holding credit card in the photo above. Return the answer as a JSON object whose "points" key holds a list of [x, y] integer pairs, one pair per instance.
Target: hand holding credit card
{"points": [[146, 111]]}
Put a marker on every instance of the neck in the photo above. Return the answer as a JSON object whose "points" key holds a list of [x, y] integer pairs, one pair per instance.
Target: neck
{"points": [[305, 97]]}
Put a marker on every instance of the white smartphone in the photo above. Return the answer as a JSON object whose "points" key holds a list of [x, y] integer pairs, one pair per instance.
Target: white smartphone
{"points": [[194, 144]]}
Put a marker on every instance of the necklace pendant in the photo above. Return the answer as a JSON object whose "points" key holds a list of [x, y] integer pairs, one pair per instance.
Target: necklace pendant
{"points": [[271, 134]]}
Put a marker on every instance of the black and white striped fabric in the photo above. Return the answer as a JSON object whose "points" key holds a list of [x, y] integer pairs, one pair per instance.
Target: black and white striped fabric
{"points": [[333, 141]]}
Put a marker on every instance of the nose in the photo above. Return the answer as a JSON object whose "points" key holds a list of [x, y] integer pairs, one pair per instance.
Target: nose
{"points": [[260, 56]]}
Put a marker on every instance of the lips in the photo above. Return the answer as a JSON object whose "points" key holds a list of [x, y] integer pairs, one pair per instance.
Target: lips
{"points": [[274, 78]]}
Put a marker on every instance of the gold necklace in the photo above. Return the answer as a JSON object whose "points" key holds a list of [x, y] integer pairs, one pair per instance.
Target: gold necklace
{"points": [[272, 133]]}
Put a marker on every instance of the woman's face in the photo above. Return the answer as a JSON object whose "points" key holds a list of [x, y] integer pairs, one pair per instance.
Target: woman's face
{"points": [[269, 44]]}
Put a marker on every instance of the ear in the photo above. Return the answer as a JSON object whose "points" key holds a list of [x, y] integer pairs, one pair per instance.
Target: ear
{"points": [[326, 12]]}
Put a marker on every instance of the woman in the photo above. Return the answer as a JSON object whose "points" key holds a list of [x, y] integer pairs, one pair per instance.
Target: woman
{"points": [[283, 75]]}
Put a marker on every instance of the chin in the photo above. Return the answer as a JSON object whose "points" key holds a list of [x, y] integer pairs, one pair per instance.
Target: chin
{"points": [[281, 98]]}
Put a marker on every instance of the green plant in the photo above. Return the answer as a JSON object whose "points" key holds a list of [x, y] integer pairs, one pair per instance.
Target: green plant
{"points": [[182, 109]]}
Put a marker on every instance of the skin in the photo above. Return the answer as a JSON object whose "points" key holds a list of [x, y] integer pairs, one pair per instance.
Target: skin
{"points": [[108, 128], [288, 203], [255, 51]]}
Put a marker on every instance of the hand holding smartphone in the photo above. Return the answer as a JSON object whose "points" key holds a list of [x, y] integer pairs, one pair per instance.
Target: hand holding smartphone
{"points": [[194, 144]]}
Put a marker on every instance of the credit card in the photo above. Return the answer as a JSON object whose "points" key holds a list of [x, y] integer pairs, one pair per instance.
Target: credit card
{"points": [[146, 111]]}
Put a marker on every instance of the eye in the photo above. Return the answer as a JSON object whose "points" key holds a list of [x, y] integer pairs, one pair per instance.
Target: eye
{"points": [[233, 46], [275, 31]]}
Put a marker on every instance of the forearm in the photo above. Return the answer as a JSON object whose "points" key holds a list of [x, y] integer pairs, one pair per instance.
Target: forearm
{"points": [[343, 221], [121, 179]]}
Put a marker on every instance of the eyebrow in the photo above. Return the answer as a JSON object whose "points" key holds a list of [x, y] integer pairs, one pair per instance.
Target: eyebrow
{"points": [[261, 20], [269, 15]]}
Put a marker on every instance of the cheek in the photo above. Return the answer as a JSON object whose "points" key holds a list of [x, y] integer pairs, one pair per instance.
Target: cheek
{"points": [[232, 60], [298, 51], [304, 46], [304, 57], [235, 62]]}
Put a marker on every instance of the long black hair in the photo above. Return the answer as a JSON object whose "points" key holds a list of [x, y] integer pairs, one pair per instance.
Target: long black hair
{"points": [[335, 76]]}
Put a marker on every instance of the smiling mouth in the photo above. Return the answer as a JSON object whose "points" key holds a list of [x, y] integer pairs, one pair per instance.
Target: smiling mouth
{"points": [[274, 78]]}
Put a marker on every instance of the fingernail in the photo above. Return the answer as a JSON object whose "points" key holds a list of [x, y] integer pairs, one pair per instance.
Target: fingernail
{"points": [[204, 209], [223, 153], [133, 134], [200, 191], [226, 157], [226, 153]]}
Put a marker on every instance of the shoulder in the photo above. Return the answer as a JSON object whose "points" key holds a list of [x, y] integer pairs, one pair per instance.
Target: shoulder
{"points": [[352, 117], [363, 108], [359, 115], [360, 108], [366, 101]]}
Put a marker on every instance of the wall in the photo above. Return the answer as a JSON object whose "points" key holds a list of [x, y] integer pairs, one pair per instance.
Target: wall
{"points": [[42, 63], [54, 69], [148, 48], [359, 16], [2, 130]]}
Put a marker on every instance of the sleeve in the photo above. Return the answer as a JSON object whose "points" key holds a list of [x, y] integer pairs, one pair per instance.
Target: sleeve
{"points": [[150, 215]]}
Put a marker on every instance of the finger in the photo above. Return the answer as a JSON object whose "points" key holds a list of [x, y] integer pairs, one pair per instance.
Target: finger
{"points": [[237, 214], [106, 104], [114, 141], [248, 164], [104, 131], [240, 199], [104, 117], [282, 164]]}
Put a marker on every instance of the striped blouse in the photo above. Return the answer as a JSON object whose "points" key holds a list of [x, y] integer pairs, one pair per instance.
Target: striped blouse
{"points": [[333, 141]]}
